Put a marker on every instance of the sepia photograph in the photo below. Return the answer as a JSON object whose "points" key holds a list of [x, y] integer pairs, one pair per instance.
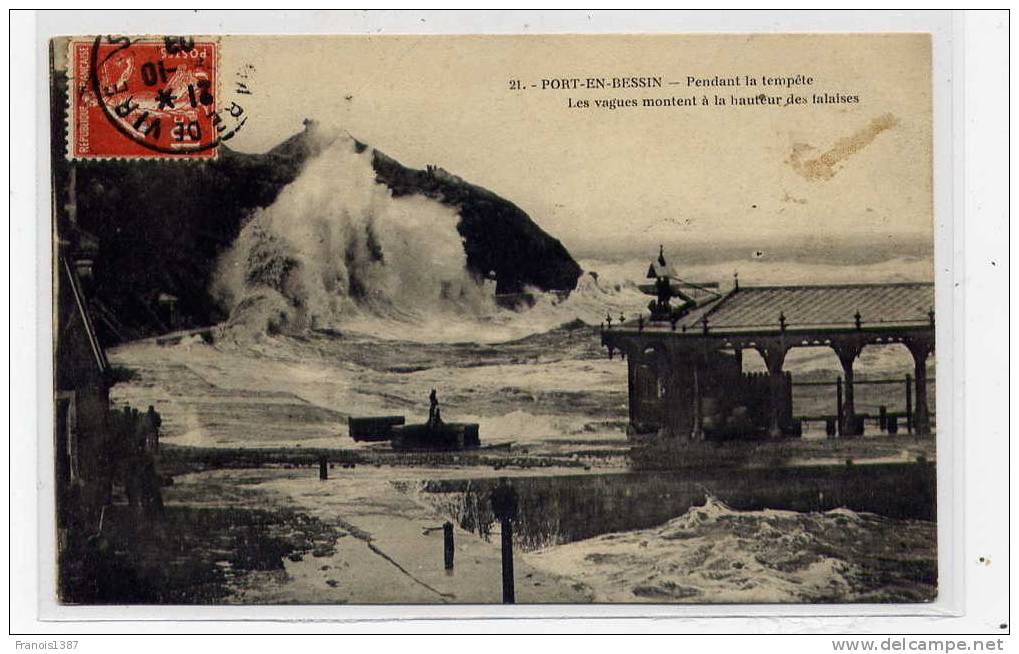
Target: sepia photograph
{"points": [[494, 319]]}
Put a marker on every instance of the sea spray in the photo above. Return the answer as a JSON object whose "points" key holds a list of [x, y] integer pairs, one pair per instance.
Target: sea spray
{"points": [[338, 251], [336, 245], [713, 553]]}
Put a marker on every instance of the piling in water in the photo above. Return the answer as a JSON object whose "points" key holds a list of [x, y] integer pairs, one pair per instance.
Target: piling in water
{"points": [[447, 533], [508, 594], [504, 506]]}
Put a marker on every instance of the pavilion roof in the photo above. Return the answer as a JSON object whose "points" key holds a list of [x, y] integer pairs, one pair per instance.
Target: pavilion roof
{"points": [[761, 308]]}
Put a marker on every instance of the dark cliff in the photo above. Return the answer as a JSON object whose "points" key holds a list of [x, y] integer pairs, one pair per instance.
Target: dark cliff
{"points": [[161, 225], [498, 236]]}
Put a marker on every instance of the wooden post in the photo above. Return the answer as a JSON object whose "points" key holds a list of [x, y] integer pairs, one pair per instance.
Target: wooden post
{"points": [[697, 433], [447, 540], [882, 418], [840, 422], [323, 467], [631, 387], [504, 506], [847, 353], [774, 356], [920, 349], [508, 594], [909, 404], [787, 397]]}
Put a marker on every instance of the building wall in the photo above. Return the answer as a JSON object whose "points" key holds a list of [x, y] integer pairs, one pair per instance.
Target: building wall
{"points": [[682, 394], [81, 406]]}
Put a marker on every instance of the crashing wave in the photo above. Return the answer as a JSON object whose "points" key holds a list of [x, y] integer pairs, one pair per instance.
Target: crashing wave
{"points": [[718, 554], [337, 251], [336, 245]]}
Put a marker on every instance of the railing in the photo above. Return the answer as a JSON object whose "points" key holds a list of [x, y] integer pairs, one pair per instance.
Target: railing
{"points": [[887, 416]]}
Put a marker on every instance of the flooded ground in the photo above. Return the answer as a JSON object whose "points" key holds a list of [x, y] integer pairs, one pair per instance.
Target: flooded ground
{"points": [[555, 510], [541, 391], [246, 418], [373, 535]]}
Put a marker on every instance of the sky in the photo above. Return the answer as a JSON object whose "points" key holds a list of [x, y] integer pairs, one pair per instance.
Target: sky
{"points": [[598, 178]]}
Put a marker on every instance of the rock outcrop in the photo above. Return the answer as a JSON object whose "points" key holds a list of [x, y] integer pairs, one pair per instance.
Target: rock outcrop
{"points": [[162, 225]]}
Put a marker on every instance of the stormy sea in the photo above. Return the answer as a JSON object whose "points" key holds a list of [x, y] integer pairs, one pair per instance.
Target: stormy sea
{"points": [[347, 301]]}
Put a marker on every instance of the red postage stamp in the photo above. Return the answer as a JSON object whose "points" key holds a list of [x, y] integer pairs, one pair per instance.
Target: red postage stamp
{"points": [[145, 97]]}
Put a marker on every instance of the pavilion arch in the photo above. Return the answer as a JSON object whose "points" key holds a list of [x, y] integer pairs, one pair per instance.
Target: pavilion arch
{"points": [[892, 359], [648, 368], [888, 361], [815, 369], [752, 361], [817, 362]]}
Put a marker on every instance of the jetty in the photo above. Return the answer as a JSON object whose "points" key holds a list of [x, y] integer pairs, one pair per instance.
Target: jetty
{"points": [[433, 435]]}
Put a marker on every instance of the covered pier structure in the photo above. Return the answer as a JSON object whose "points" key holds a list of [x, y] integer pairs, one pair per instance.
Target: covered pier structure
{"points": [[685, 372]]}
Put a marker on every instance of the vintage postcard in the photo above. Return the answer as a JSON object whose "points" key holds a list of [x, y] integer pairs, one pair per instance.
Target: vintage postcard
{"points": [[494, 319]]}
